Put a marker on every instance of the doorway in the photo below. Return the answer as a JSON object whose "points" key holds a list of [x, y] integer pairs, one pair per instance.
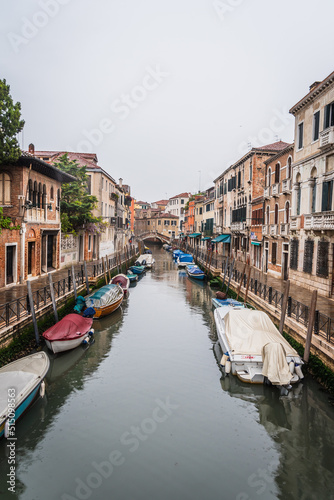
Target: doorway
{"points": [[31, 258], [266, 256], [285, 261], [10, 264], [50, 251]]}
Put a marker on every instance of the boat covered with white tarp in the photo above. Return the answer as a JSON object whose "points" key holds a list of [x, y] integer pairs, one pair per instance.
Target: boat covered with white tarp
{"points": [[253, 349]]}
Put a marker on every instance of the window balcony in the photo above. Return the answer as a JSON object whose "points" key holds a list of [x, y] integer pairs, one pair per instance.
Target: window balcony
{"points": [[36, 215], [286, 186], [285, 229], [266, 192], [265, 230], [238, 226], [275, 190], [319, 222], [295, 223], [274, 229], [326, 137]]}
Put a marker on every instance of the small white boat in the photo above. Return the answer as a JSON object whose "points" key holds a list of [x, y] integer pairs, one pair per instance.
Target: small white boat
{"points": [[185, 259], [21, 382], [68, 333], [253, 349], [146, 260]]}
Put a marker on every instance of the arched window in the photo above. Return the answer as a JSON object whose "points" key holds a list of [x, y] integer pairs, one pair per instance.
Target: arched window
{"points": [[44, 196], [289, 167], [39, 197], [287, 213], [5, 189], [313, 189], [58, 199], [268, 215], [277, 172], [276, 213], [51, 193], [269, 177], [34, 194], [30, 190]]}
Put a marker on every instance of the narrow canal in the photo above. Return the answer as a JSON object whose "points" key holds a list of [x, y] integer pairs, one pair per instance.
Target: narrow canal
{"points": [[145, 413]]}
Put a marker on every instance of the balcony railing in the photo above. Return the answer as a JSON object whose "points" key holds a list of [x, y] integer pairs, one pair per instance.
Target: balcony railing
{"points": [[327, 137], [275, 189], [285, 229], [274, 229], [238, 226], [319, 222], [265, 230], [36, 214], [286, 186], [295, 223], [266, 192]]}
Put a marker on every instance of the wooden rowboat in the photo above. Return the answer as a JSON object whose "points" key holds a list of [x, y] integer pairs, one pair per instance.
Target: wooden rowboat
{"points": [[105, 300]]}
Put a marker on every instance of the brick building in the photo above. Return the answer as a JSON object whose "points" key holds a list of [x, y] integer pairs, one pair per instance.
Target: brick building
{"points": [[276, 213], [30, 191]]}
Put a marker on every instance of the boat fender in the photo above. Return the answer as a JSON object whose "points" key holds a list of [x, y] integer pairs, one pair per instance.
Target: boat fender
{"points": [[6, 429], [85, 340], [292, 367], [299, 372], [228, 366], [143, 263], [91, 332], [42, 389], [224, 359]]}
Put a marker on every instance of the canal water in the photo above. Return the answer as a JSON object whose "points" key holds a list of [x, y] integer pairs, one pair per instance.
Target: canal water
{"points": [[145, 413]]}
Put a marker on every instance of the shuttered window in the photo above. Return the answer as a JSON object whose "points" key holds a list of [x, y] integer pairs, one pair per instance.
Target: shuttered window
{"points": [[308, 256], [4, 189], [316, 122], [294, 254], [329, 115], [322, 259]]}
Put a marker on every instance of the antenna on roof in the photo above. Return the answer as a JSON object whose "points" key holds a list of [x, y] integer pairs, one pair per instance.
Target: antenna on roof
{"points": [[249, 145], [276, 138]]}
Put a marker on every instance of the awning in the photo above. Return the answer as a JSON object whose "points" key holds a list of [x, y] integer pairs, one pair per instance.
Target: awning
{"points": [[256, 243], [206, 238], [194, 235], [222, 238]]}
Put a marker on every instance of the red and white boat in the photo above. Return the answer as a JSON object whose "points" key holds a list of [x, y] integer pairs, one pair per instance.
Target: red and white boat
{"points": [[68, 333], [122, 280]]}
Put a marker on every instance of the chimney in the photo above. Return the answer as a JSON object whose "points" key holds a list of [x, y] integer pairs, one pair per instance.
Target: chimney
{"points": [[31, 149], [314, 86], [120, 183]]}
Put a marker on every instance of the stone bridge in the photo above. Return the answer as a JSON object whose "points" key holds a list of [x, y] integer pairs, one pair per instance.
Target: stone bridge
{"points": [[154, 235]]}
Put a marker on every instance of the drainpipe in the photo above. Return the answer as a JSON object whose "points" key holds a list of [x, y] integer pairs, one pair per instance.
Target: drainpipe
{"points": [[22, 251]]}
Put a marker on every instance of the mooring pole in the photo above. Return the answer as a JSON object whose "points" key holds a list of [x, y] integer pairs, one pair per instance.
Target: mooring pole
{"points": [[52, 293], [284, 305], [108, 268], [248, 281], [230, 277], [74, 283], [310, 326], [86, 276], [225, 272], [32, 310], [242, 277]]}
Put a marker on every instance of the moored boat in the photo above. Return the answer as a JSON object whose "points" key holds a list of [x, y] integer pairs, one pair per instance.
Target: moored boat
{"points": [[253, 349], [146, 260], [185, 260], [105, 300], [21, 382], [195, 272], [68, 333], [137, 269], [123, 281], [225, 302], [132, 276]]}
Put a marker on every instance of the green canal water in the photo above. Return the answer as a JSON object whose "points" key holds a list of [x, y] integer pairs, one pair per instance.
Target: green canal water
{"points": [[145, 413]]}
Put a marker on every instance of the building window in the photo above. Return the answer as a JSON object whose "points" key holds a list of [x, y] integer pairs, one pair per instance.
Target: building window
{"points": [[51, 193], [298, 198], [268, 215], [329, 115], [182, 201], [89, 184], [316, 123], [289, 167], [273, 253], [287, 212], [294, 254], [269, 177], [89, 243], [314, 196], [276, 214], [327, 193], [5, 189], [300, 135], [308, 256], [250, 171], [277, 172], [159, 222], [322, 259]]}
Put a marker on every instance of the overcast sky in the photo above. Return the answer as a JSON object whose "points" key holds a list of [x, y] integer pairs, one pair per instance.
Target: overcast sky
{"points": [[168, 94]]}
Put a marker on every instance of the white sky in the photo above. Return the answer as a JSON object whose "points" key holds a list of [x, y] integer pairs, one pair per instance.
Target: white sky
{"points": [[229, 72]]}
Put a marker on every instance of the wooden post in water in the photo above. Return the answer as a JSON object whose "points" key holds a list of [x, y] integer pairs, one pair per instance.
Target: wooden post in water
{"points": [[248, 281], [86, 276], [74, 284], [284, 305], [104, 271], [32, 310], [230, 277], [310, 326], [52, 293], [108, 268], [225, 272], [242, 277]]}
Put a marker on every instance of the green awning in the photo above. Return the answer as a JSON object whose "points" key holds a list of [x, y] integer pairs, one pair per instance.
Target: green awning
{"points": [[222, 238], [194, 235], [206, 238], [256, 243]]}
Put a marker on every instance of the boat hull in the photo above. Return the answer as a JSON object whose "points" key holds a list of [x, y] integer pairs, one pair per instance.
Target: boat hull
{"points": [[65, 345], [100, 312]]}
